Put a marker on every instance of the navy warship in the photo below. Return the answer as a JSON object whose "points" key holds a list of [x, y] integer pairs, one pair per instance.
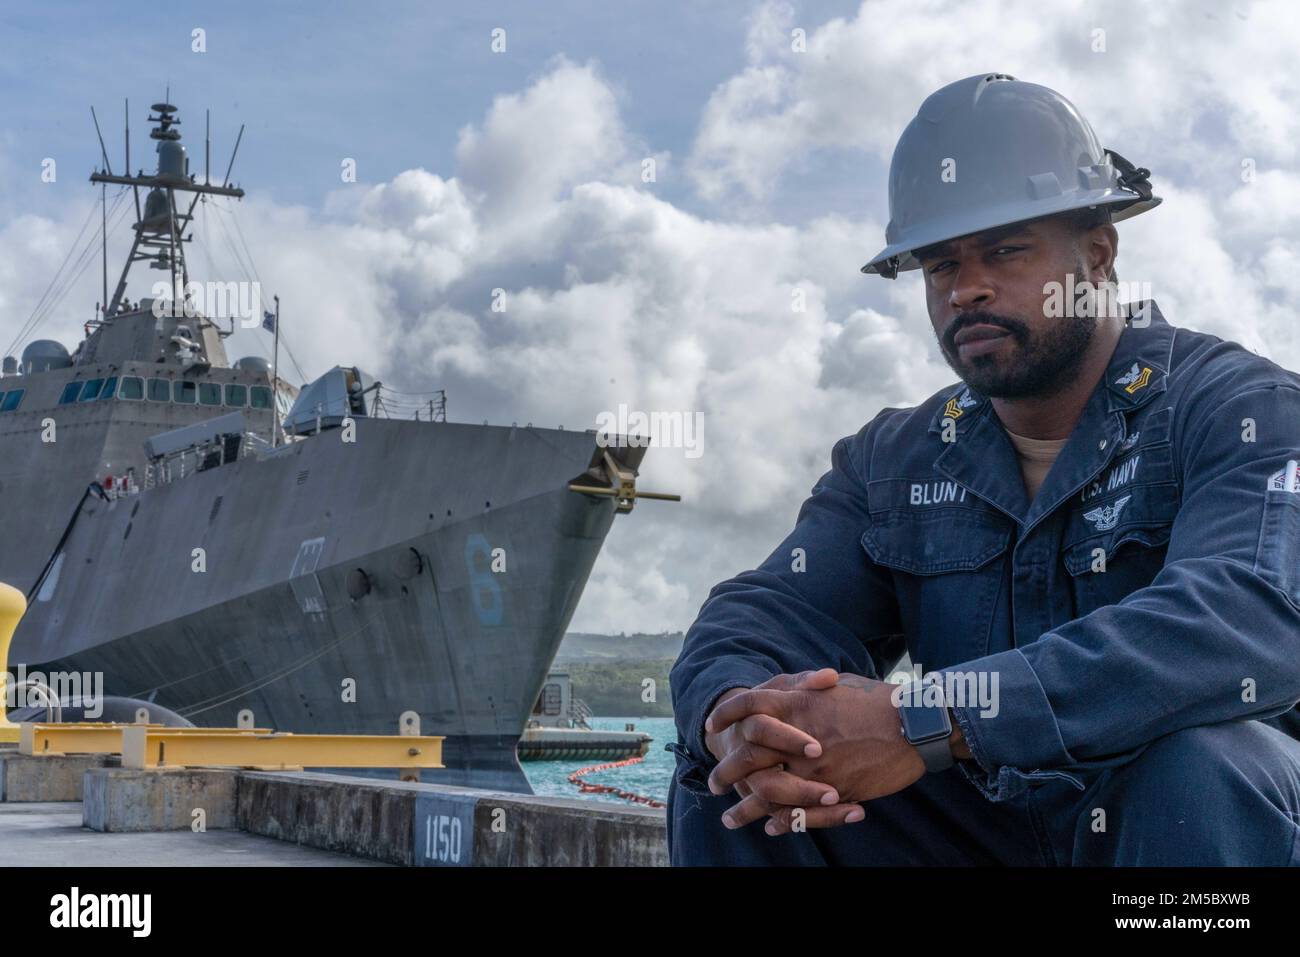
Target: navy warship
{"points": [[211, 540]]}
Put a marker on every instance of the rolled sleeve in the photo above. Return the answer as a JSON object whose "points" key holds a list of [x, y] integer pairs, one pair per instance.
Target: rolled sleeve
{"points": [[1014, 735], [704, 692]]}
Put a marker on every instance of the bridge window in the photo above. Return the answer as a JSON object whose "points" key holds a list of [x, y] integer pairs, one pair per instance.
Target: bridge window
{"points": [[237, 395], [110, 388], [186, 393], [259, 397], [70, 393], [210, 393], [160, 390], [11, 400], [132, 388], [90, 390]]}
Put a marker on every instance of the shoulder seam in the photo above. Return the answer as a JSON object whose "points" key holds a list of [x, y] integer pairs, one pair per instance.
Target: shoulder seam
{"points": [[849, 456]]}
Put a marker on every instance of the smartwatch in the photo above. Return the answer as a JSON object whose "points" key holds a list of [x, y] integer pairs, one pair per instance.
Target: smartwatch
{"points": [[927, 727]]}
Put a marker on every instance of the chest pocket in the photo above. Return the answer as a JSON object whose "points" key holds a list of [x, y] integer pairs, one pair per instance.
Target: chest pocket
{"points": [[936, 541], [1118, 536], [944, 558], [1129, 542]]}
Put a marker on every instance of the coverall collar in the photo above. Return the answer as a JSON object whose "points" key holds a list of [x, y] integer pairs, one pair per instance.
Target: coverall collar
{"points": [[980, 456]]}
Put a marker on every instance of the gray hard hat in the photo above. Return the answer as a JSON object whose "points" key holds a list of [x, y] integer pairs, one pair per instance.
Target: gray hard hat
{"points": [[991, 150]]}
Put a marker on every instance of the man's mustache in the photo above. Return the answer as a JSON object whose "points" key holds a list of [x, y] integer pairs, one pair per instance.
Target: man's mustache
{"points": [[1018, 330]]}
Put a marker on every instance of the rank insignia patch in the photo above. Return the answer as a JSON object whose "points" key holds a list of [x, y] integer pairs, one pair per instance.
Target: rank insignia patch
{"points": [[1135, 378], [955, 405]]}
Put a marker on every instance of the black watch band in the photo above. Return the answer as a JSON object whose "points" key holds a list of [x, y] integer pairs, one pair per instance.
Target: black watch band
{"points": [[928, 729], [937, 755]]}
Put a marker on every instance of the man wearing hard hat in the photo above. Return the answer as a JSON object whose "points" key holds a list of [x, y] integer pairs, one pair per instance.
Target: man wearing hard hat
{"points": [[1090, 548]]}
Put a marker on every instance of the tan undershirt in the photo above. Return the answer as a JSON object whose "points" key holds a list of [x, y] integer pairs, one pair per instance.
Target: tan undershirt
{"points": [[1036, 458]]}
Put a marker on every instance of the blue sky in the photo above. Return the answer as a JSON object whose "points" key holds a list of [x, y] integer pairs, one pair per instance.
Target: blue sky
{"points": [[521, 172], [388, 84]]}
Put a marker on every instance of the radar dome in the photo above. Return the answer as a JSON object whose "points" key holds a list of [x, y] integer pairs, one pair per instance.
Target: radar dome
{"points": [[253, 364], [44, 355], [172, 161]]}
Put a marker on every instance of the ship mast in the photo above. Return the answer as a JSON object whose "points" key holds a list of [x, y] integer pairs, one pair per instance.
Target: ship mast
{"points": [[160, 229]]}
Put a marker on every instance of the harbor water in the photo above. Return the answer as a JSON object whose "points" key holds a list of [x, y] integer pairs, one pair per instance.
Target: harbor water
{"points": [[649, 778]]}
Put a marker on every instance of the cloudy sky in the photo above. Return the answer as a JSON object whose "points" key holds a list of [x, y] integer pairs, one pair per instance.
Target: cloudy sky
{"points": [[522, 170]]}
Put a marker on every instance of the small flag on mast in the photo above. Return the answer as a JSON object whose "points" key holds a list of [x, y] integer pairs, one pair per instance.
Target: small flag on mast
{"points": [[268, 321]]}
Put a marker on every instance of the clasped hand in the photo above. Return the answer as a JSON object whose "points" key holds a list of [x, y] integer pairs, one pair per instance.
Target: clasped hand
{"points": [[808, 746]]}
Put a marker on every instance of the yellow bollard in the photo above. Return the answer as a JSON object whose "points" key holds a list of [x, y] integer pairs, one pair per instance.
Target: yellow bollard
{"points": [[13, 605]]}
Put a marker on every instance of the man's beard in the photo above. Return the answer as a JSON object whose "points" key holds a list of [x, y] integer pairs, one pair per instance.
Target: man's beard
{"points": [[1041, 365]]}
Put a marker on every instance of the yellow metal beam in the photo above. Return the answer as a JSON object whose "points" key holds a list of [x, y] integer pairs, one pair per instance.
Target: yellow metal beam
{"points": [[144, 747], [13, 605], [95, 738]]}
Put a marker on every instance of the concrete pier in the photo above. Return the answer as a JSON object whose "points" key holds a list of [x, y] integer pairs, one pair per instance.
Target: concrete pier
{"points": [[392, 822], [427, 825], [48, 778], [125, 799], [50, 834]]}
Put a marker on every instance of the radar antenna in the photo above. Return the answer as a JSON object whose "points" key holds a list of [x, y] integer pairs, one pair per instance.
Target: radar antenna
{"points": [[160, 227]]}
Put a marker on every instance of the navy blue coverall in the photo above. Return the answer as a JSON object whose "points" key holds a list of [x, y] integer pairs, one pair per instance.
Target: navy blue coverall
{"points": [[1141, 616]]}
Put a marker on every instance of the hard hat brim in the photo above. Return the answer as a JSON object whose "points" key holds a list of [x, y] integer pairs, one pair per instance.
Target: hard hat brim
{"points": [[898, 257]]}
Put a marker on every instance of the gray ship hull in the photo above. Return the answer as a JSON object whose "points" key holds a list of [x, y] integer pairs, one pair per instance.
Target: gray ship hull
{"points": [[425, 567], [368, 567]]}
